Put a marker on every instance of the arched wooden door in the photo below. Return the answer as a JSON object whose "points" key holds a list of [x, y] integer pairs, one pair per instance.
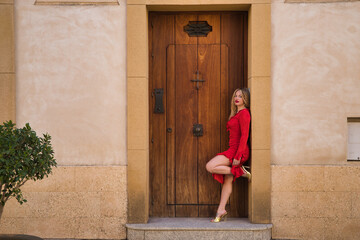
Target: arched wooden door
{"points": [[196, 62]]}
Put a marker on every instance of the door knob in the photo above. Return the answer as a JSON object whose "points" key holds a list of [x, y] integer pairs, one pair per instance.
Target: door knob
{"points": [[198, 130]]}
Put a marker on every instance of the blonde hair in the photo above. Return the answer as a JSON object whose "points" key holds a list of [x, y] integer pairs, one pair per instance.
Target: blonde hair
{"points": [[245, 93]]}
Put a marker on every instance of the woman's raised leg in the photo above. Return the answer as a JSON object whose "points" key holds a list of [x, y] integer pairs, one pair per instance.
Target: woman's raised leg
{"points": [[219, 164]]}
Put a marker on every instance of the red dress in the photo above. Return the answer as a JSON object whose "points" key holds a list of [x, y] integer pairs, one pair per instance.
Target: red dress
{"points": [[238, 127]]}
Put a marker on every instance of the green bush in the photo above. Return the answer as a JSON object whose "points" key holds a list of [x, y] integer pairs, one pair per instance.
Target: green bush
{"points": [[23, 156]]}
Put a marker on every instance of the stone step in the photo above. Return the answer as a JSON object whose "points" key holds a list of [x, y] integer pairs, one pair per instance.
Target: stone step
{"points": [[18, 237], [199, 229]]}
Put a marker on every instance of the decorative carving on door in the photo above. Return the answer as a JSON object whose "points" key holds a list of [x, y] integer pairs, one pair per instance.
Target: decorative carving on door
{"points": [[198, 28], [197, 80]]}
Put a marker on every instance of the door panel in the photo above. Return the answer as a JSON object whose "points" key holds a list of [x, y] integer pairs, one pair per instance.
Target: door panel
{"points": [[209, 117], [186, 116], [170, 125], [213, 37], [224, 96], [187, 210], [179, 183], [234, 35], [158, 149], [207, 210], [181, 36]]}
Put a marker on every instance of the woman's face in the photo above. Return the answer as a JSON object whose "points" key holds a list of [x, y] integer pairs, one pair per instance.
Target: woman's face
{"points": [[238, 100]]}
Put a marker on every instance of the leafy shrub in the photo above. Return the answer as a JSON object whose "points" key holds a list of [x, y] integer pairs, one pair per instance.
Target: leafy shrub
{"points": [[23, 156]]}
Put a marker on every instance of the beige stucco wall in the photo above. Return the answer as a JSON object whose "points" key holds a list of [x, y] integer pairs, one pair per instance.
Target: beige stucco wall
{"points": [[315, 73], [71, 79], [316, 81], [71, 83]]}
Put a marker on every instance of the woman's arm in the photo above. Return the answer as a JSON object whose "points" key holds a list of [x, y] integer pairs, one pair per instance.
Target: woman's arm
{"points": [[244, 121]]}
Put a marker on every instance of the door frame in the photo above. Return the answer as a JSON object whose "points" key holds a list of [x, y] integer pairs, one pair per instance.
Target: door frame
{"points": [[259, 82]]}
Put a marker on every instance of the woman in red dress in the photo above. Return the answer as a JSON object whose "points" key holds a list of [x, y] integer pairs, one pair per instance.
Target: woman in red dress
{"points": [[227, 166]]}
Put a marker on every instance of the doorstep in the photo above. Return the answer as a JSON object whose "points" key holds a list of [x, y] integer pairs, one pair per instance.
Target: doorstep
{"points": [[199, 229]]}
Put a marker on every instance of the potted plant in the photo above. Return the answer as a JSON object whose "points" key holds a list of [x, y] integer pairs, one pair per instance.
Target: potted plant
{"points": [[23, 156]]}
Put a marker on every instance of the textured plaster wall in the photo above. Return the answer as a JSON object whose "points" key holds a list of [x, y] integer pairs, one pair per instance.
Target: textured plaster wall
{"points": [[71, 79], [315, 87], [315, 81], [71, 82]]}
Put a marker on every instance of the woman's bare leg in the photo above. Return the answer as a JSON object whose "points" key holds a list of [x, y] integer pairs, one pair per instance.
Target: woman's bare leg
{"points": [[219, 164], [225, 193]]}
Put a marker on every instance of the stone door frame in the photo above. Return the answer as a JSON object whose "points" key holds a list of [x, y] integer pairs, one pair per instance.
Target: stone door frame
{"points": [[259, 82]]}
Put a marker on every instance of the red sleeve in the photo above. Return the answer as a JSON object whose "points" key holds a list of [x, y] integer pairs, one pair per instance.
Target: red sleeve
{"points": [[244, 121]]}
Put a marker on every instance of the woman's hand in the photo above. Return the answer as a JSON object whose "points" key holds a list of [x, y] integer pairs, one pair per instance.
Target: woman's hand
{"points": [[235, 162]]}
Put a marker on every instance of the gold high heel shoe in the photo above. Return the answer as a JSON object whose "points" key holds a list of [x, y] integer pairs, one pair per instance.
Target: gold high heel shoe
{"points": [[247, 173], [219, 218]]}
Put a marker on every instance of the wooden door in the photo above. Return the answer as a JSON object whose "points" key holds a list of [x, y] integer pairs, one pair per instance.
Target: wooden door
{"points": [[193, 77]]}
